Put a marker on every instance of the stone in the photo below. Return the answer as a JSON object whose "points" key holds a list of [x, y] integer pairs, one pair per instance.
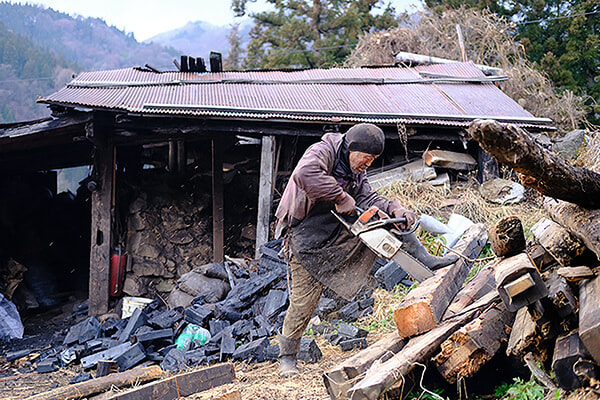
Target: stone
{"points": [[194, 283], [179, 298], [502, 191], [569, 145]]}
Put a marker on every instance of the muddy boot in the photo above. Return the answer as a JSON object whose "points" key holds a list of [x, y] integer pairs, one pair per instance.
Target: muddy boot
{"points": [[288, 352], [414, 247]]}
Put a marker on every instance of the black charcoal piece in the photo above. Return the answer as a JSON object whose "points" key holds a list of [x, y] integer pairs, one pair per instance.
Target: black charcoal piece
{"points": [[390, 275], [131, 357], [309, 351], [351, 331], [216, 325], [366, 303], [137, 319], [255, 351], [350, 312], [196, 314], [108, 354], [272, 352], [227, 347], [166, 318], [82, 332], [47, 365], [154, 335], [276, 302], [82, 377], [325, 307], [347, 345], [174, 361]]}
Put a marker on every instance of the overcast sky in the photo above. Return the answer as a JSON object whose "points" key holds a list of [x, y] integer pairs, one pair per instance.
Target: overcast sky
{"points": [[146, 18]]}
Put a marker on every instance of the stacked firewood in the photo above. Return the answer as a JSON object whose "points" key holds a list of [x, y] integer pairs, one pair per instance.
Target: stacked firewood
{"points": [[537, 300]]}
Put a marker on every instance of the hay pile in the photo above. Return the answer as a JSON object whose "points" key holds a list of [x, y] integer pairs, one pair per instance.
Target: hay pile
{"points": [[489, 40]]}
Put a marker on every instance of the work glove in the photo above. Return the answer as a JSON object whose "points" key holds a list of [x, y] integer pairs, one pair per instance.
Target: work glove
{"points": [[397, 211], [346, 204]]}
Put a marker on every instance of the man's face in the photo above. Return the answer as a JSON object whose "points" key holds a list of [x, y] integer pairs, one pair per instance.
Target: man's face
{"points": [[360, 161]]}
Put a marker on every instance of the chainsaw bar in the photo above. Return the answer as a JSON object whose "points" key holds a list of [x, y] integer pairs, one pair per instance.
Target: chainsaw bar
{"points": [[387, 246]]}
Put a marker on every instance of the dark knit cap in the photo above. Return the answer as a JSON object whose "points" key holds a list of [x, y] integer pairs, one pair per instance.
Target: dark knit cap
{"points": [[366, 138]]}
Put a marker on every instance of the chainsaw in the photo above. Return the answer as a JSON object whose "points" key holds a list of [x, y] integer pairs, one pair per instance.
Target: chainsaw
{"points": [[370, 228]]}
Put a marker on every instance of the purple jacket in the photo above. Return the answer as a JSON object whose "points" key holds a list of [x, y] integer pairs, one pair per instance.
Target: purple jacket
{"points": [[312, 181]]}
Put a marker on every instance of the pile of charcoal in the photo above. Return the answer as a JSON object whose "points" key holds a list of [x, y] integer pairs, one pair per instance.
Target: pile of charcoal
{"points": [[235, 328]]}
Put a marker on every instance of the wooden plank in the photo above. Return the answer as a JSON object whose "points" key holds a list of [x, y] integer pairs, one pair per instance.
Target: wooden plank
{"points": [[576, 274], [381, 376], [98, 385], [101, 221], [342, 377], [473, 345], [265, 191], [423, 308], [181, 385], [557, 241], [450, 159], [506, 237], [480, 285], [589, 316], [519, 282], [217, 193]]}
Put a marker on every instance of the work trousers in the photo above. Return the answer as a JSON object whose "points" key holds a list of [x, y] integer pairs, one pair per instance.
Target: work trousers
{"points": [[304, 298]]}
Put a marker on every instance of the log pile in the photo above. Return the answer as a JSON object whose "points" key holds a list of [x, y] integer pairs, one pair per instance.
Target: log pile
{"points": [[538, 301]]}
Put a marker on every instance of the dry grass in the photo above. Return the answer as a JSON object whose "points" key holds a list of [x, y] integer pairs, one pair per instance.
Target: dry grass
{"points": [[489, 40]]}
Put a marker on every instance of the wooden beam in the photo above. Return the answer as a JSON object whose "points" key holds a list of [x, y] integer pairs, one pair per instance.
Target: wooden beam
{"points": [[567, 351], [519, 282], [477, 287], [473, 345], [181, 385], [342, 377], [265, 190], [181, 158], [98, 385], [524, 335], [589, 316], [101, 224], [423, 308], [382, 376], [218, 204], [539, 168]]}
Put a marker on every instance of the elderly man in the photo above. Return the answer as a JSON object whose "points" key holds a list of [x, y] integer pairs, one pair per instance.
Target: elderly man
{"points": [[321, 252]]}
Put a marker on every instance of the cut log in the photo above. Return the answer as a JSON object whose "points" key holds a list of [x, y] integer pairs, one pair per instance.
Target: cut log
{"points": [[450, 159], [182, 385], [567, 351], [91, 387], [518, 282], [539, 168], [557, 241], [589, 316], [341, 378], [423, 308], [473, 345], [582, 223], [576, 274], [506, 237], [524, 336], [480, 285], [382, 376]]}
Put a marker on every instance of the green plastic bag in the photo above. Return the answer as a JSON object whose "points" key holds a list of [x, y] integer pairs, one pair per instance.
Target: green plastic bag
{"points": [[191, 333]]}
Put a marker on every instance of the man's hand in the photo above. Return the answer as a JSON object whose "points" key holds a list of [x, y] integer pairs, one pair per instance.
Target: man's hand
{"points": [[397, 211], [346, 205]]}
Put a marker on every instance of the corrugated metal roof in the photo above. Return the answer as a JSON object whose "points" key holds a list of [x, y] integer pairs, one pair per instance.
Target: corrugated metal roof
{"points": [[443, 94]]}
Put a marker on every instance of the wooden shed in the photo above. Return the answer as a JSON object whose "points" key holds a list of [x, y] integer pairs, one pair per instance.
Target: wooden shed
{"points": [[110, 120]]}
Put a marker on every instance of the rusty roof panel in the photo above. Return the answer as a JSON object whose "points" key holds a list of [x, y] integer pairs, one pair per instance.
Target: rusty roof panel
{"points": [[388, 95]]}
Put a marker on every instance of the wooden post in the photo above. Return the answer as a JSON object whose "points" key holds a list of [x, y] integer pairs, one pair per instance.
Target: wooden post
{"points": [[181, 159], [101, 224], [519, 282], [265, 190], [172, 163], [567, 351], [217, 192]]}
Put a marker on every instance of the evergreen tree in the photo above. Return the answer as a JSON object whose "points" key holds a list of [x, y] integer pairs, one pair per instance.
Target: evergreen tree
{"points": [[309, 34]]}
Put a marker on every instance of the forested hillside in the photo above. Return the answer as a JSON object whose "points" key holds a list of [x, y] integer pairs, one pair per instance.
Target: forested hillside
{"points": [[41, 49]]}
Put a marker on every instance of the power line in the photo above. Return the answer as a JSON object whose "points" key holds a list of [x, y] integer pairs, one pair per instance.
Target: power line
{"points": [[555, 18]]}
